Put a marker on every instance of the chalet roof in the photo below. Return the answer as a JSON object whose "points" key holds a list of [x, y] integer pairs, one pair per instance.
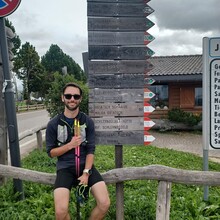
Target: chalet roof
{"points": [[176, 65]]}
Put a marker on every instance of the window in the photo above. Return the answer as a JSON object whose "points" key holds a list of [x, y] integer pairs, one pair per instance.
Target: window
{"points": [[198, 96], [161, 95]]}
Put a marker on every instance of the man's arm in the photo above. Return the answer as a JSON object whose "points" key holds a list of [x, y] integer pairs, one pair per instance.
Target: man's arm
{"points": [[89, 161], [58, 151]]}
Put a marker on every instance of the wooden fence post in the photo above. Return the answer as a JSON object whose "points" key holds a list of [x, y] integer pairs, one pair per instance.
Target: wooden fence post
{"points": [[163, 201], [39, 139]]}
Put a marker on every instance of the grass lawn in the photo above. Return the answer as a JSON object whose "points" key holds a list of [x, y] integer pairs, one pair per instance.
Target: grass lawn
{"points": [[139, 196]]}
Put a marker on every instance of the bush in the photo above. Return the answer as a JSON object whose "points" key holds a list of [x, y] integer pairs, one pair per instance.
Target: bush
{"points": [[178, 115]]}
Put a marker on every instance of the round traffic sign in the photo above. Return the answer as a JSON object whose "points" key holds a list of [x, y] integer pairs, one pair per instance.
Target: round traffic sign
{"points": [[8, 6]]}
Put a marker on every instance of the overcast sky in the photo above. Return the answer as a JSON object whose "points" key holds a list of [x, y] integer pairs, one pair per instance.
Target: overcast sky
{"points": [[179, 27]]}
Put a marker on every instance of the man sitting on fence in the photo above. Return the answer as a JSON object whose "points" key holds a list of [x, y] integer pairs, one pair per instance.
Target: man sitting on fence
{"points": [[70, 137]]}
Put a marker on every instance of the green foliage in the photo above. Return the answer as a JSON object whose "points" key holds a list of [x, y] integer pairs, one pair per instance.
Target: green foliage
{"points": [[55, 59], [16, 40], [53, 98], [29, 69], [140, 196], [178, 115]]}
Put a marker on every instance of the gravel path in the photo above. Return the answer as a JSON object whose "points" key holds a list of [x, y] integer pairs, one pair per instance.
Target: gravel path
{"points": [[183, 141]]}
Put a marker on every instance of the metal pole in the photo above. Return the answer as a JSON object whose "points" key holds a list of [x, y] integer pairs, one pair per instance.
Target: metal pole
{"points": [[205, 112], [206, 168], [119, 186], [8, 93]]}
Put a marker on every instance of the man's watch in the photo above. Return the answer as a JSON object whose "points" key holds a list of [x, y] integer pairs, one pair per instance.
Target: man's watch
{"points": [[88, 171]]}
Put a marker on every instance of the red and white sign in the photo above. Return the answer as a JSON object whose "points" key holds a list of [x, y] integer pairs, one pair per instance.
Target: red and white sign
{"points": [[148, 123], [148, 109], [148, 138], [148, 94], [8, 6]]}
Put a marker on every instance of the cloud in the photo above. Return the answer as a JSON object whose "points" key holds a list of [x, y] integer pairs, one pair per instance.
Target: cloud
{"points": [[179, 25], [188, 14]]}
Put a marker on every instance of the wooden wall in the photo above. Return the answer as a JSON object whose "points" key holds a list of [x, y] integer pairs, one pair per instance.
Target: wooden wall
{"points": [[182, 95]]}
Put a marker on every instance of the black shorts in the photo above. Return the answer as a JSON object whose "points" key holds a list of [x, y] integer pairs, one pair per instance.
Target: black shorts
{"points": [[67, 178]]}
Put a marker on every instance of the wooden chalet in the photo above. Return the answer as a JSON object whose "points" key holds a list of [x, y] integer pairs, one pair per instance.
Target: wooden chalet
{"points": [[178, 84]]}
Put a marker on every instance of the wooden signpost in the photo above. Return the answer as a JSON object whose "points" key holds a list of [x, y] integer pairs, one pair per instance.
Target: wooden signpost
{"points": [[117, 76]]}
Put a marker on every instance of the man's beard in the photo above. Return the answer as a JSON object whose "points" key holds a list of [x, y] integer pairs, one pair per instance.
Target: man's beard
{"points": [[71, 108]]}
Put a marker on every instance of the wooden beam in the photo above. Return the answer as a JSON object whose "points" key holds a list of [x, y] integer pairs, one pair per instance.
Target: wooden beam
{"points": [[116, 95], [123, 81], [107, 9], [119, 137], [117, 1], [119, 24], [119, 66], [119, 53], [119, 124], [151, 172], [163, 201], [116, 109], [119, 38]]}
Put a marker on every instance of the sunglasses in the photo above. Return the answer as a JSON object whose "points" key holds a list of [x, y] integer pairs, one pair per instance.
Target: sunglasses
{"points": [[75, 96]]}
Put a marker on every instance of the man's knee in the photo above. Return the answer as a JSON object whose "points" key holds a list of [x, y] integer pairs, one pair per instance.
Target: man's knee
{"points": [[61, 213], [104, 205]]}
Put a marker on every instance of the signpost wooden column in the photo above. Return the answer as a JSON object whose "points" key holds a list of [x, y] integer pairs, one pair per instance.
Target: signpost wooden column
{"points": [[117, 71]]}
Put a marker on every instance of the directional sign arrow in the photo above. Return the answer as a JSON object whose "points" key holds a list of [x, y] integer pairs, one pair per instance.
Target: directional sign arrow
{"points": [[148, 138], [149, 81], [148, 38], [148, 94], [148, 109], [148, 123]]}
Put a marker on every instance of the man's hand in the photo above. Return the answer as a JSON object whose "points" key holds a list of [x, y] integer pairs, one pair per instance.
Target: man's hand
{"points": [[83, 179], [75, 142]]}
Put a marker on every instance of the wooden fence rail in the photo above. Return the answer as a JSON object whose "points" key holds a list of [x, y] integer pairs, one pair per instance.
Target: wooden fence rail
{"points": [[22, 108], [37, 131], [165, 175]]}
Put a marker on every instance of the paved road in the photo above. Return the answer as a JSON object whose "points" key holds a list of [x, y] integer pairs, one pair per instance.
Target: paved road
{"points": [[183, 141], [30, 120]]}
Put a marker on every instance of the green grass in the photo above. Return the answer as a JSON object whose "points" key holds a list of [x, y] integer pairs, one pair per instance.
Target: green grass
{"points": [[139, 196]]}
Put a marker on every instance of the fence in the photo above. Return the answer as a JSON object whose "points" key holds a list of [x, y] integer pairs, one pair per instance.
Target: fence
{"points": [[21, 108], [165, 175], [37, 131]]}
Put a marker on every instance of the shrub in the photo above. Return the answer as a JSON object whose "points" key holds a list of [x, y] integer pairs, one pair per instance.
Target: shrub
{"points": [[178, 115]]}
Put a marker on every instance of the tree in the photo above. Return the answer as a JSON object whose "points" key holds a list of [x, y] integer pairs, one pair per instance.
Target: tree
{"points": [[55, 59], [29, 69], [16, 40], [53, 98]]}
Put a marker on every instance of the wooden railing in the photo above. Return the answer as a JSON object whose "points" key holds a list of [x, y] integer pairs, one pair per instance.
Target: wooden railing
{"points": [[21, 108], [165, 175], [37, 131]]}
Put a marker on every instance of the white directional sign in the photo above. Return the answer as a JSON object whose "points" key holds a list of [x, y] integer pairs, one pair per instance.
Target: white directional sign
{"points": [[148, 94], [148, 123], [211, 93], [215, 103], [148, 109], [148, 138]]}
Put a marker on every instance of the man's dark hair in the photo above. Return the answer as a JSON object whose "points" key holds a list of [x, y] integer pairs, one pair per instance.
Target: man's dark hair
{"points": [[73, 85]]}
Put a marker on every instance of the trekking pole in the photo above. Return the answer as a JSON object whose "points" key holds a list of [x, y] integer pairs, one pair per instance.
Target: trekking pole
{"points": [[77, 133]]}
